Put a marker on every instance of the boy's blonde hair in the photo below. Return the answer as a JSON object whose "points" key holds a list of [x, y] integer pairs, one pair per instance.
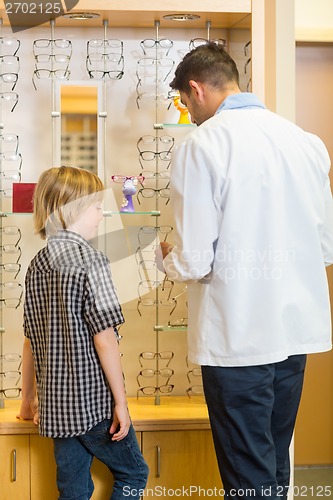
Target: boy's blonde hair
{"points": [[55, 193]]}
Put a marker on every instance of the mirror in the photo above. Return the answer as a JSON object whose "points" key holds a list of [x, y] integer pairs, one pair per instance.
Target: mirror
{"points": [[78, 124], [79, 106]]}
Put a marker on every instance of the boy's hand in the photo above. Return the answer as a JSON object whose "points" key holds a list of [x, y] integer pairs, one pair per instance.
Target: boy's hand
{"points": [[29, 411], [121, 421]]}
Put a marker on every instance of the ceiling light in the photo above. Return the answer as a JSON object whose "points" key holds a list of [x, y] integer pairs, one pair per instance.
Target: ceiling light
{"points": [[181, 17], [81, 15]]}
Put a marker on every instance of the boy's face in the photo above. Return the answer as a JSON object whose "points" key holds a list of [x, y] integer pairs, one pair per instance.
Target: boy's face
{"points": [[87, 223]]}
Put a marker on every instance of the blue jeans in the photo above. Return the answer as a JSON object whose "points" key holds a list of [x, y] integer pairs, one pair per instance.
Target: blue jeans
{"points": [[252, 411], [74, 456]]}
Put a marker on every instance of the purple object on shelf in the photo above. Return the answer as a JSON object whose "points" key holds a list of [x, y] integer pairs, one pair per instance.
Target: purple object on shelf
{"points": [[129, 189]]}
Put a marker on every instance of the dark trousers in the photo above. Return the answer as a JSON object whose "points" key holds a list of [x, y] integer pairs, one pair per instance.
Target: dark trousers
{"points": [[252, 411]]}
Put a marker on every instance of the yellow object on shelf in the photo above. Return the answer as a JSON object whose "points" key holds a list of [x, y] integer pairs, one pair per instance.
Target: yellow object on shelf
{"points": [[184, 116]]}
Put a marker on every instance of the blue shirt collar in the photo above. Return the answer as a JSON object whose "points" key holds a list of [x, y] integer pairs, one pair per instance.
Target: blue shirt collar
{"points": [[244, 100]]}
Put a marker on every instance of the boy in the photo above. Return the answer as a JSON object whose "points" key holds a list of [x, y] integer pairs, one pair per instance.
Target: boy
{"points": [[71, 312]]}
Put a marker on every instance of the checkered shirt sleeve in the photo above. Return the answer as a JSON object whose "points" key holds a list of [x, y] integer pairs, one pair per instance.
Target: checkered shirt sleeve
{"points": [[102, 309]]}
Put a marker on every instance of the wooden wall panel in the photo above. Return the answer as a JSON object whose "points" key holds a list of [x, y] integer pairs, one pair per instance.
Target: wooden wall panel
{"points": [[314, 112]]}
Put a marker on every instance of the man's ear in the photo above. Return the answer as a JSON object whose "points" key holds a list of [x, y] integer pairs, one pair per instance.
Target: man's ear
{"points": [[197, 89]]}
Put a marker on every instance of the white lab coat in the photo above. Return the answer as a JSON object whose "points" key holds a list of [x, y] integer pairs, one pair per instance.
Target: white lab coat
{"points": [[253, 232]]}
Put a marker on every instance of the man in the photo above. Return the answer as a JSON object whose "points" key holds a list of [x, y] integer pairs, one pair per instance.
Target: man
{"points": [[254, 231]]}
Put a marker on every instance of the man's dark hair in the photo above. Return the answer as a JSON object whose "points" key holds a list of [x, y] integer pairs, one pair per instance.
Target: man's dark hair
{"points": [[208, 63]]}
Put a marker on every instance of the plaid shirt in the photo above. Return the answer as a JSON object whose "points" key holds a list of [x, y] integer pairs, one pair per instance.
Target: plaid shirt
{"points": [[69, 298]]}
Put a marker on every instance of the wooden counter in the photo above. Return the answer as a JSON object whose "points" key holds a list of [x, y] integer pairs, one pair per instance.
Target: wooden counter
{"points": [[173, 413]]}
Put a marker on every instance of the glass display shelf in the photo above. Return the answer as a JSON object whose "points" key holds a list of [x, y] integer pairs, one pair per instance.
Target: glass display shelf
{"points": [[7, 214], [167, 328], [106, 213], [161, 126], [109, 213]]}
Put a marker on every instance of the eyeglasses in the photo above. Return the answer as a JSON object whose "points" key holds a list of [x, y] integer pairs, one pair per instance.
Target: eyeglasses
{"points": [[11, 139], [12, 156], [106, 44], [196, 42], [12, 231], [150, 94], [10, 61], [148, 372], [146, 155], [100, 75], [11, 97], [107, 61], [11, 357], [10, 285], [11, 267], [11, 374], [178, 322], [59, 43], [149, 43], [195, 390], [9, 43], [43, 74], [150, 193], [12, 249], [149, 174], [120, 179], [152, 155], [195, 372], [145, 266], [153, 139], [7, 193], [147, 286], [150, 233], [9, 78], [13, 392], [11, 175], [11, 161], [150, 70], [150, 390], [12, 303], [101, 57], [156, 303], [163, 355], [164, 301], [47, 58]]}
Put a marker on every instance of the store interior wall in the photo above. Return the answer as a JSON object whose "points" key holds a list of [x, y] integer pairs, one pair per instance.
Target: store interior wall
{"points": [[314, 112]]}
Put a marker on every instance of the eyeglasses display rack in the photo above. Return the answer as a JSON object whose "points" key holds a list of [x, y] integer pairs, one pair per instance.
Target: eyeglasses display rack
{"points": [[10, 171], [155, 291]]}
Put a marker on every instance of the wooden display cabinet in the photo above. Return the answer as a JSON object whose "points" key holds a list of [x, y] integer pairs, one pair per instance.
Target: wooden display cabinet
{"points": [[175, 439], [14, 470]]}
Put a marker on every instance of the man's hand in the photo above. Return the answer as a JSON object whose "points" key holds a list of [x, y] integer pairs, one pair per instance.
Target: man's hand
{"points": [[160, 253]]}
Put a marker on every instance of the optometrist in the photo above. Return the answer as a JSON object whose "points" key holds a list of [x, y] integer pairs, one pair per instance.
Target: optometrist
{"points": [[253, 215]]}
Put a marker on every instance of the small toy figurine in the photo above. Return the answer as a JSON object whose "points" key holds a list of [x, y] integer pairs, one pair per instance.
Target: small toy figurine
{"points": [[129, 189], [183, 118]]}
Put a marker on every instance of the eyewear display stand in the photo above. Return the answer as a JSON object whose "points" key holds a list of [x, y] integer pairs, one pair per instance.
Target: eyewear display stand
{"points": [[152, 72], [10, 171]]}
